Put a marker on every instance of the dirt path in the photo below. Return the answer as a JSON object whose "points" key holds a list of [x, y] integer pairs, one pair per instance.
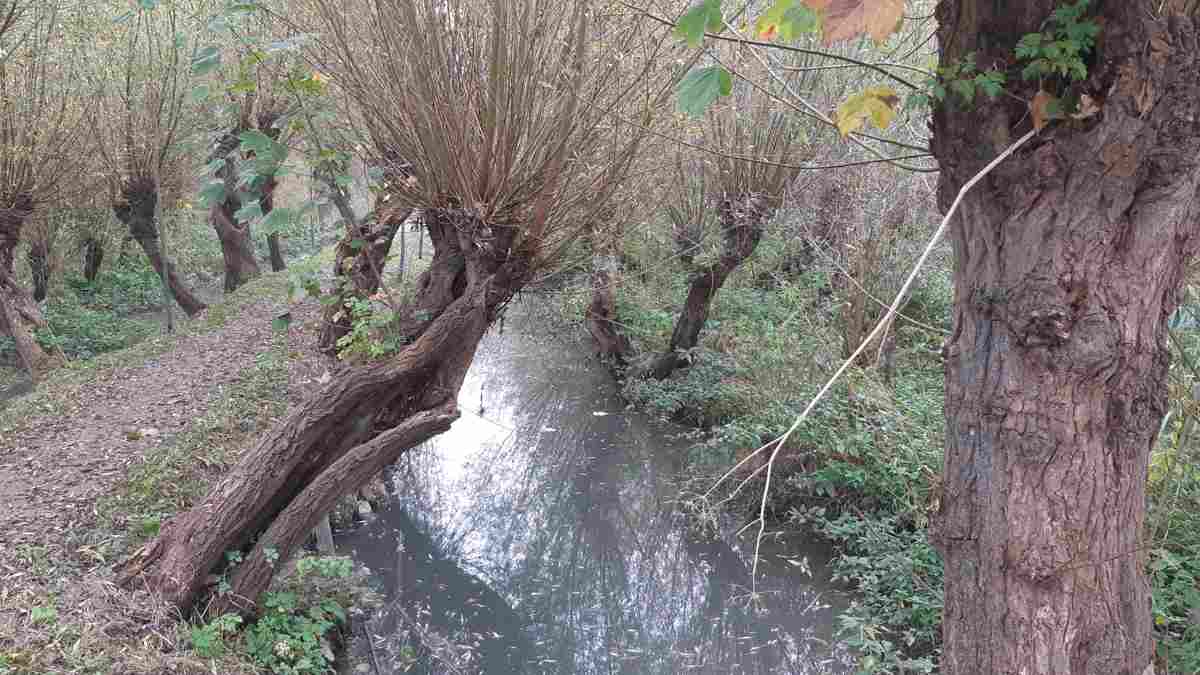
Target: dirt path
{"points": [[71, 444], [52, 472]]}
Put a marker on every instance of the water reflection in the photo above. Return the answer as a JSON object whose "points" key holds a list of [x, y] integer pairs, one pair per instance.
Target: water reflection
{"points": [[543, 528]]}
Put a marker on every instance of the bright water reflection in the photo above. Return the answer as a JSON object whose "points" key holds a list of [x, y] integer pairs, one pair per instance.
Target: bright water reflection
{"points": [[543, 528]]}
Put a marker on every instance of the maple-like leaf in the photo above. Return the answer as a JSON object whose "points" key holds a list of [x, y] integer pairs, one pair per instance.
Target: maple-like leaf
{"points": [[845, 19], [877, 104]]}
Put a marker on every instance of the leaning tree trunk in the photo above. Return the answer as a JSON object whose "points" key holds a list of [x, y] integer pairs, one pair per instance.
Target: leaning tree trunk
{"points": [[601, 312], [38, 257], [742, 219], [1068, 263], [348, 431], [136, 210], [20, 316], [93, 255], [358, 269]]}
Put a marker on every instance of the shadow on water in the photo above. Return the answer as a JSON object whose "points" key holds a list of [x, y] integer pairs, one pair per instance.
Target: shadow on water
{"points": [[543, 530]]}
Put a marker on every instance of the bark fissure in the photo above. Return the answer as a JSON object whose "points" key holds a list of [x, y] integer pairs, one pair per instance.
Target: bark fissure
{"points": [[1068, 262]]}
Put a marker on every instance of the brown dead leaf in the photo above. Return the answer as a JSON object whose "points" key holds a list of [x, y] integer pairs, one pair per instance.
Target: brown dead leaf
{"points": [[1040, 107], [846, 19]]}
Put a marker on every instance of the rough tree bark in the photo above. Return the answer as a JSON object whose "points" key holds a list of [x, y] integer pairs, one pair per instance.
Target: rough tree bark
{"points": [[349, 430], [135, 208], [1068, 262], [93, 256], [742, 219], [601, 313], [38, 257], [361, 254], [20, 316]]}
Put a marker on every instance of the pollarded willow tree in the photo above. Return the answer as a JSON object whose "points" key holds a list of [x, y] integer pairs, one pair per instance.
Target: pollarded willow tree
{"points": [[144, 121], [755, 143], [500, 112], [40, 113]]}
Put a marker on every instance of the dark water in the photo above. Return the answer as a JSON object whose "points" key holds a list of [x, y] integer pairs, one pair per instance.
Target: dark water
{"points": [[544, 531]]}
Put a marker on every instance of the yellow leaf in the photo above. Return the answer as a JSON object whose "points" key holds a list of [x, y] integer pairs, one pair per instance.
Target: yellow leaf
{"points": [[877, 104]]}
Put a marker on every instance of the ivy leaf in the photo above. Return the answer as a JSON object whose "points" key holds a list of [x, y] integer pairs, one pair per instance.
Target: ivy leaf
{"points": [[877, 104], [206, 60], [990, 82], [701, 87], [703, 17], [846, 19]]}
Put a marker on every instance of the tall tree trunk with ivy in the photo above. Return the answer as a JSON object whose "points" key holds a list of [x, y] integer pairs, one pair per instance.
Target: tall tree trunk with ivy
{"points": [[1068, 262], [237, 244]]}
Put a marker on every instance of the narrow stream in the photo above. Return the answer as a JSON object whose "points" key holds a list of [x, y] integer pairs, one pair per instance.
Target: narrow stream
{"points": [[543, 529]]}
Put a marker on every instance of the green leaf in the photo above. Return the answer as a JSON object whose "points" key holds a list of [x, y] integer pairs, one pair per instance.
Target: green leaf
{"points": [[705, 16], [212, 193], [257, 142], [785, 20], [701, 87], [280, 324], [278, 219], [206, 60], [249, 212]]}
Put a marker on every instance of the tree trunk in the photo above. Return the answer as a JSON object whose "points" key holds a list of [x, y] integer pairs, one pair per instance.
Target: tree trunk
{"points": [[357, 269], [346, 432], [742, 219], [136, 210], [601, 313], [20, 316], [38, 257], [278, 264], [93, 255], [274, 246], [237, 247], [1068, 262]]}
